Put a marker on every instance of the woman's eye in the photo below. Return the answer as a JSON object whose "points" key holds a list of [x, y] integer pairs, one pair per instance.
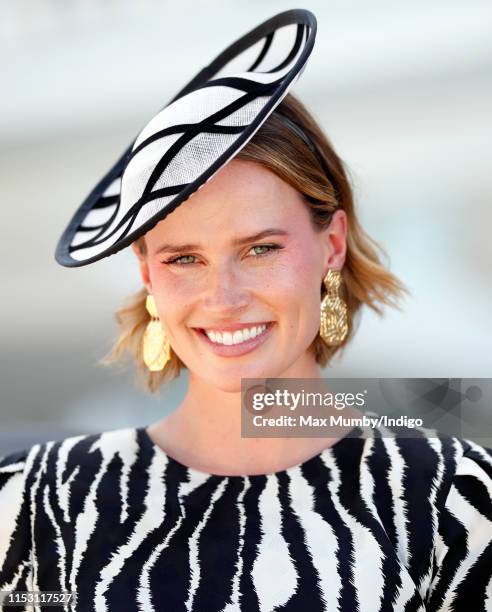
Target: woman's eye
{"points": [[177, 259], [270, 247]]}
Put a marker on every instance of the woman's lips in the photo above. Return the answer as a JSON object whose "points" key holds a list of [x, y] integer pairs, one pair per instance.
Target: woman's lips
{"points": [[234, 350]]}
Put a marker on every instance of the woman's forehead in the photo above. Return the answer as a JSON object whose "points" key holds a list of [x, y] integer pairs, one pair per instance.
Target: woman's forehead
{"points": [[242, 179], [247, 196]]}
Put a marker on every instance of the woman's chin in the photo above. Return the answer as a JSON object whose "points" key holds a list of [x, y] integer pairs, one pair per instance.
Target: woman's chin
{"points": [[231, 382]]}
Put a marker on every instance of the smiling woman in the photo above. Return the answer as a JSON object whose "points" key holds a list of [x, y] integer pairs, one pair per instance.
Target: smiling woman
{"points": [[254, 265]]}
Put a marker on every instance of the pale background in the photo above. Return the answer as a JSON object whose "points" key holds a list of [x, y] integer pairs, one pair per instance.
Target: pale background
{"points": [[404, 91]]}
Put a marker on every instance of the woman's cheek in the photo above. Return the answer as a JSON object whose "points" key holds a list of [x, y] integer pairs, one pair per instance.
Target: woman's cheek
{"points": [[165, 281], [294, 272]]}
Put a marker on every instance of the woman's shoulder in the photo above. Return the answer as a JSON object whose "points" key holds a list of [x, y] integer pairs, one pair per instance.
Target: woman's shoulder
{"points": [[13, 463], [444, 472], [453, 476], [427, 466], [69, 452], [427, 450], [433, 493], [12, 472]]}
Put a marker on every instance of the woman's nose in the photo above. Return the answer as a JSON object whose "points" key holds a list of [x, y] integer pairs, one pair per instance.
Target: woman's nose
{"points": [[225, 287]]}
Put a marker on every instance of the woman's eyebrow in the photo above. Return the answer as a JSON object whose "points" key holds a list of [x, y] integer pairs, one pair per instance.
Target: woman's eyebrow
{"points": [[175, 248]]}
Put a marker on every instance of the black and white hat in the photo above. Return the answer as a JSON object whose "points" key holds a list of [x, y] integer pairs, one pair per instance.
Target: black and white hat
{"points": [[191, 138]]}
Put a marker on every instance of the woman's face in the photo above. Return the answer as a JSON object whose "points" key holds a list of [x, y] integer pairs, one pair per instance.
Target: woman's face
{"points": [[206, 272]]}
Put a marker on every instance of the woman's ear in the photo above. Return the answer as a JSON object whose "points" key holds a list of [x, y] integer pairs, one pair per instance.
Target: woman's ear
{"points": [[144, 267], [336, 240]]}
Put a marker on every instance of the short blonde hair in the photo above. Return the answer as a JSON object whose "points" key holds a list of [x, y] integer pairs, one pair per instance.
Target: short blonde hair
{"points": [[365, 279]]}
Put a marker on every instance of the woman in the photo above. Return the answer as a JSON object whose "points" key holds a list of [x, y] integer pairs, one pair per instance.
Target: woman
{"points": [[186, 514]]}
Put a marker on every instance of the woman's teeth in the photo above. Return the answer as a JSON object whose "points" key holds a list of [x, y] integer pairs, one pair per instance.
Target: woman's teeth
{"points": [[240, 335]]}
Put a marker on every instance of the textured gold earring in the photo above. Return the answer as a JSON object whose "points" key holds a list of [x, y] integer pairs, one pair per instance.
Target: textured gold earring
{"points": [[334, 317], [156, 348]]}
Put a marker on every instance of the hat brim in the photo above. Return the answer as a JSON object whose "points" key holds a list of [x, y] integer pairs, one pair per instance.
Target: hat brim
{"points": [[203, 127]]}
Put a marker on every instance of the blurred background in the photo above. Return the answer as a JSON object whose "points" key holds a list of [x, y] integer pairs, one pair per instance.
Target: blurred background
{"points": [[404, 92]]}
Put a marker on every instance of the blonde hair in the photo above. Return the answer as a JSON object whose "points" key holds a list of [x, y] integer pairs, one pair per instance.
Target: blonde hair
{"points": [[365, 279]]}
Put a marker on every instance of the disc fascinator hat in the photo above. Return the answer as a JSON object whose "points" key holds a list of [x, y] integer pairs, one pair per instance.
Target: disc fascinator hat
{"points": [[203, 127]]}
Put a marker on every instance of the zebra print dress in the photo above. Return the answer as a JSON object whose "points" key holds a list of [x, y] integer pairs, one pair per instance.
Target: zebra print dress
{"points": [[370, 523]]}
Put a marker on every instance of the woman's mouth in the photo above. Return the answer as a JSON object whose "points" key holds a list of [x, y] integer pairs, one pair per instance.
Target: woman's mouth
{"points": [[233, 344]]}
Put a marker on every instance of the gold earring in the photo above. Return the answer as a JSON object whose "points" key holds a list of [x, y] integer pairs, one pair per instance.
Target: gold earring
{"points": [[156, 348], [334, 318]]}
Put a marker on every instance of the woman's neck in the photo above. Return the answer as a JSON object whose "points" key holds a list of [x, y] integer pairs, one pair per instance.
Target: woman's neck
{"points": [[204, 432]]}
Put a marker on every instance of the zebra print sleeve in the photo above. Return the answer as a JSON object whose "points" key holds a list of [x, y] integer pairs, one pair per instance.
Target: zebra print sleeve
{"points": [[462, 577], [14, 523]]}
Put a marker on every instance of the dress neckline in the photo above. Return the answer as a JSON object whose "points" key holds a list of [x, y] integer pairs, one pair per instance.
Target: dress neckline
{"points": [[146, 441]]}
